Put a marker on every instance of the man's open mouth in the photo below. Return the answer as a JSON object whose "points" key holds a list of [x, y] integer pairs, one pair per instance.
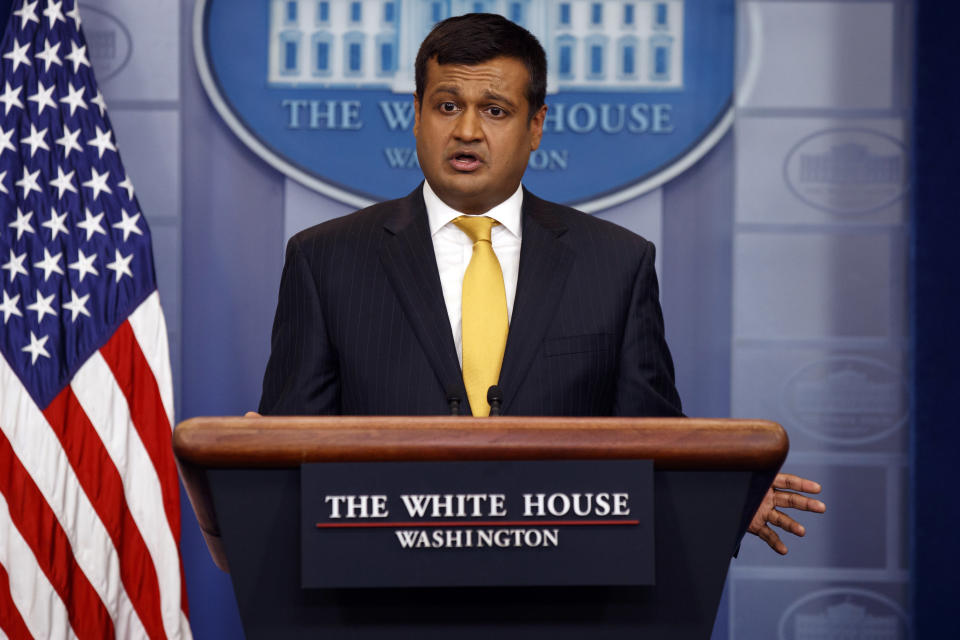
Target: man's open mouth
{"points": [[465, 161]]}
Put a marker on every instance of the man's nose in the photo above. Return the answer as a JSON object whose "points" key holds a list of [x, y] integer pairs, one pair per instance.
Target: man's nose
{"points": [[468, 127]]}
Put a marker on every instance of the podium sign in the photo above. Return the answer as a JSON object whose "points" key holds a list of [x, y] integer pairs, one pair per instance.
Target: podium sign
{"points": [[491, 523]]}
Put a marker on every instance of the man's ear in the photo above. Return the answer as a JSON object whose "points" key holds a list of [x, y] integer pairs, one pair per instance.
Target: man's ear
{"points": [[416, 114], [536, 127]]}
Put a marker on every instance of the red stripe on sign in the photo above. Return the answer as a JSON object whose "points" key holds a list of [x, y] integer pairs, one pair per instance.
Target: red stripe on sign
{"points": [[11, 623], [98, 475], [477, 523], [132, 372], [40, 529]]}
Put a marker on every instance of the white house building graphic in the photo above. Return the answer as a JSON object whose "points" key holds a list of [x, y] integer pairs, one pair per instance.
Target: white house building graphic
{"points": [[632, 45]]}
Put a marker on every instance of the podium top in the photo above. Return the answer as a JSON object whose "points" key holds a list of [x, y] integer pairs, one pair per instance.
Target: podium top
{"points": [[672, 443]]}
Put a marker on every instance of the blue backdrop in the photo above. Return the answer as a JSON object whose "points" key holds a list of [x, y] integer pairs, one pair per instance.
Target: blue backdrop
{"points": [[935, 314]]}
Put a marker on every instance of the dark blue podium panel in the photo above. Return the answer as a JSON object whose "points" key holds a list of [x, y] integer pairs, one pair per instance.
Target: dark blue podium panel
{"points": [[699, 515], [477, 524]]}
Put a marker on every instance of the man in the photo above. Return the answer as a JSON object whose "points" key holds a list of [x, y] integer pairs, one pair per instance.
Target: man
{"points": [[404, 307]]}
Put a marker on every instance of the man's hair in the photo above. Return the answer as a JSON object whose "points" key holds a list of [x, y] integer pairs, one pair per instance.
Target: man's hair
{"points": [[480, 37]]}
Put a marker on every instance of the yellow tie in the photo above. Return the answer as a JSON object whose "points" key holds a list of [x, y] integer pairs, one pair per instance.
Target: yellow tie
{"points": [[484, 314]]}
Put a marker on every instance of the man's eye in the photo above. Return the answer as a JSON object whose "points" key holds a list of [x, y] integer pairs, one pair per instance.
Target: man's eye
{"points": [[496, 112], [448, 107]]}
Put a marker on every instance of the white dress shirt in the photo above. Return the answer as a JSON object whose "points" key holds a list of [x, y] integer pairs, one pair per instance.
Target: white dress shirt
{"points": [[453, 249]]}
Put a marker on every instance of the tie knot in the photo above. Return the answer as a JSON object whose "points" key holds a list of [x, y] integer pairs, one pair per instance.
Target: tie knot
{"points": [[477, 227]]}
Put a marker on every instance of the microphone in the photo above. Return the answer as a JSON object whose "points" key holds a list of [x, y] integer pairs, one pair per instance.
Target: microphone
{"points": [[495, 399], [453, 400]]}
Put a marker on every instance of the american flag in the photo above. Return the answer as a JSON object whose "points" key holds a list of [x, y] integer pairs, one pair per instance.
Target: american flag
{"points": [[89, 498]]}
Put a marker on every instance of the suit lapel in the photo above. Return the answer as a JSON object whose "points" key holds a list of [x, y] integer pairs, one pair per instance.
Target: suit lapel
{"points": [[545, 262], [411, 266]]}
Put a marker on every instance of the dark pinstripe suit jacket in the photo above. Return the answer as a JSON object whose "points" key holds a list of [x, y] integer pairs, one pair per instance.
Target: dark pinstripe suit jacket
{"points": [[361, 326]]}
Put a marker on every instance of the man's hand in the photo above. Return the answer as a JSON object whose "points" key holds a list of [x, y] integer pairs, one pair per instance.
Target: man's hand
{"points": [[252, 414], [783, 494]]}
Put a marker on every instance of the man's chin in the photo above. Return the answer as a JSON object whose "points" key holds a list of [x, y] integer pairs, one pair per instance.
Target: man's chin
{"points": [[466, 196], [464, 184]]}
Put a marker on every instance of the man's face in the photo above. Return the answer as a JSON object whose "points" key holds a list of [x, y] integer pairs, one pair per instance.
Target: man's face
{"points": [[473, 133]]}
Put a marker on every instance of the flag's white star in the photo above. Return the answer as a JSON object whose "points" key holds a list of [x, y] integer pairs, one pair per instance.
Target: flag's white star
{"points": [[99, 101], [63, 182], [3, 176], [91, 224], [36, 347], [49, 264], [102, 142], [84, 265], [128, 185], [98, 182], [74, 98], [54, 13], [36, 140], [56, 224], [75, 14], [15, 264], [10, 98], [29, 183], [121, 265], [69, 141], [9, 306], [27, 13], [44, 97], [78, 56], [49, 54], [77, 305], [5, 139], [42, 307], [18, 54], [22, 223], [128, 224]]}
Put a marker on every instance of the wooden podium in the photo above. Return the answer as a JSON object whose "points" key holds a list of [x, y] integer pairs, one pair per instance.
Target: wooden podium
{"points": [[242, 476]]}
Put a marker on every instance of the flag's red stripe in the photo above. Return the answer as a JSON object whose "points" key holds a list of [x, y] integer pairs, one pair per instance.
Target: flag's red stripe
{"points": [[10, 621], [40, 529], [135, 378], [103, 485]]}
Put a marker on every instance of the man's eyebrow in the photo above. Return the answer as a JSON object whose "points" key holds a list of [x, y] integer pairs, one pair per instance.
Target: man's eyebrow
{"points": [[497, 97], [454, 90], [446, 88]]}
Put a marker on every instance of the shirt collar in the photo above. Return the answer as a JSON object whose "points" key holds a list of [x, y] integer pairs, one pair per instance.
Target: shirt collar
{"points": [[440, 214]]}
